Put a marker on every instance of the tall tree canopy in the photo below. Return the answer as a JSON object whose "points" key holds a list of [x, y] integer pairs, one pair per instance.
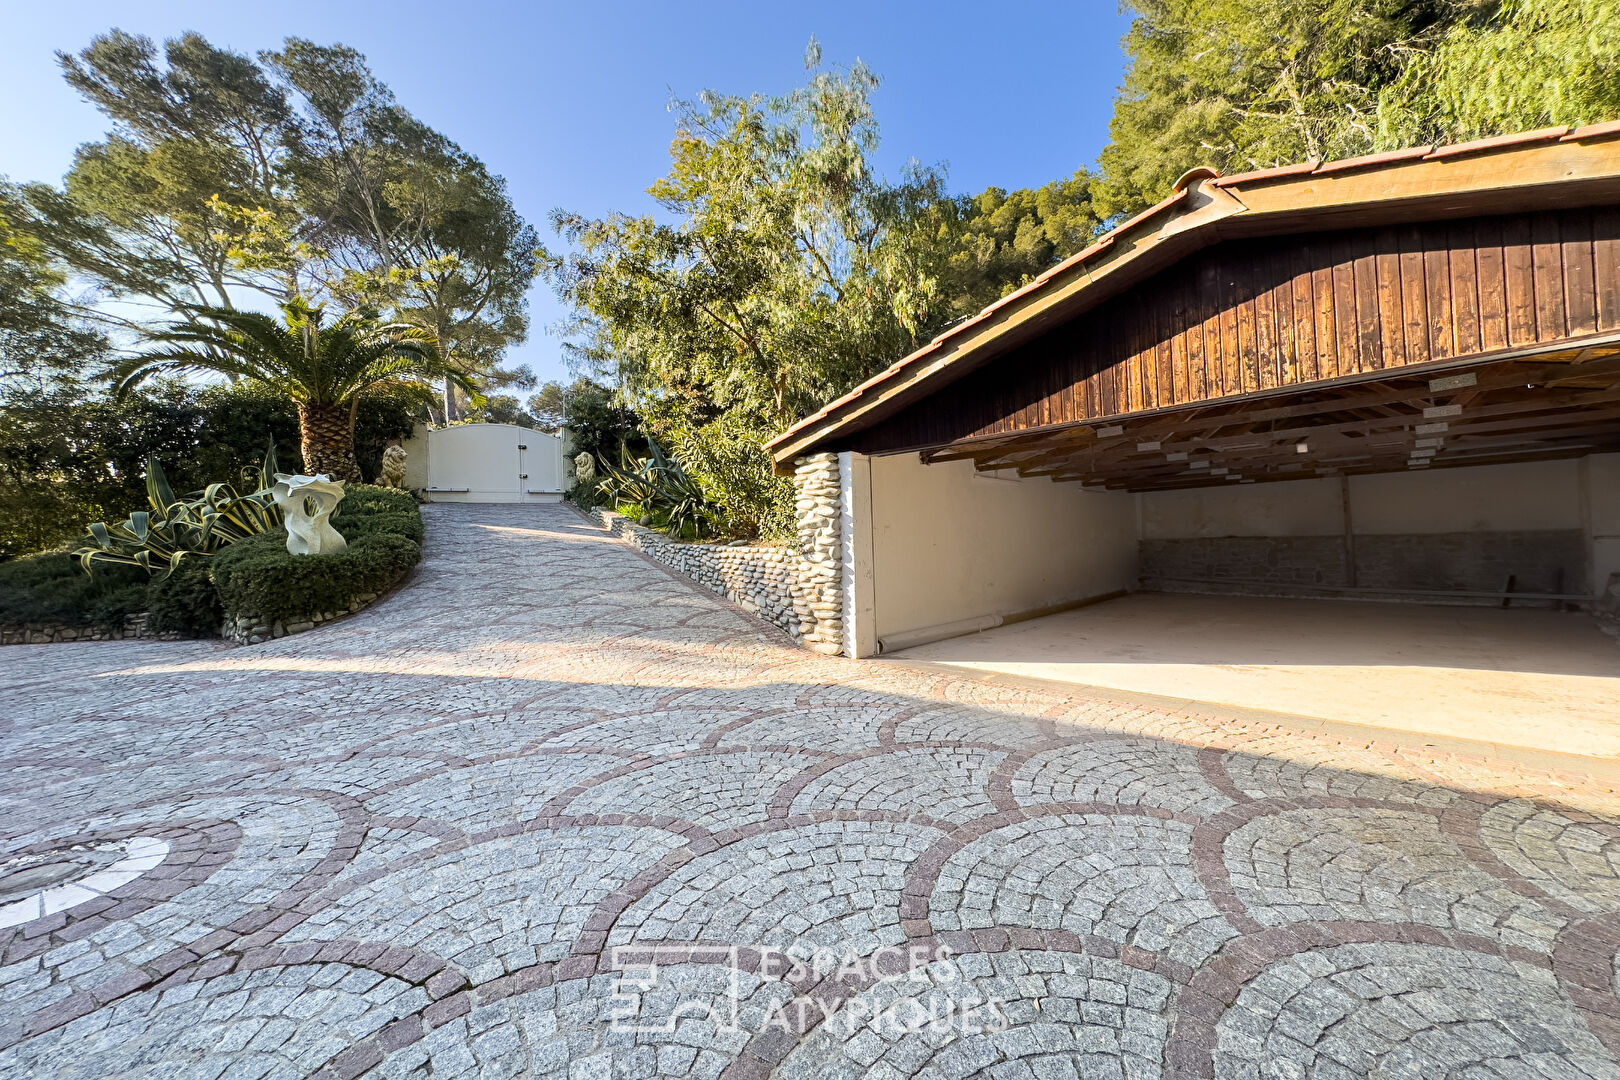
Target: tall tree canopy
{"points": [[1510, 66], [996, 241], [293, 174], [782, 268], [1243, 84]]}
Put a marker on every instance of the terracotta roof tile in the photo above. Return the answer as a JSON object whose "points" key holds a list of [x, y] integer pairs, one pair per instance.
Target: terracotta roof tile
{"points": [[1607, 130], [1103, 243], [1278, 172], [1497, 142], [1369, 161]]}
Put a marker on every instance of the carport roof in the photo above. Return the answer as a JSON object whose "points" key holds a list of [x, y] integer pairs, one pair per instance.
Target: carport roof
{"points": [[1548, 168]]}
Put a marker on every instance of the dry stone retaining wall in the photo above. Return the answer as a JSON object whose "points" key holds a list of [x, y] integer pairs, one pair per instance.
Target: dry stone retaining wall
{"points": [[798, 588], [42, 633], [248, 629]]}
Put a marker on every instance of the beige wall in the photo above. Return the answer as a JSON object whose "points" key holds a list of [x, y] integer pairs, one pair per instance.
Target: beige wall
{"points": [[1493, 498], [1496, 498], [1293, 508], [949, 545], [1579, 493]]}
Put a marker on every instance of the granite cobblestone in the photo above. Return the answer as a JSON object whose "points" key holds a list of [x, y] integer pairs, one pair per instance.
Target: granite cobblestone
{"points": [[412, 845]]}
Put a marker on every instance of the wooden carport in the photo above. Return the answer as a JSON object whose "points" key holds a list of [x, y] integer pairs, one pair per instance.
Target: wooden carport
{"points": [[1423, 309]]}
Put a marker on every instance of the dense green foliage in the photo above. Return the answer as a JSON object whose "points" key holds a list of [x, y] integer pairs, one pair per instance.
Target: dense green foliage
{"points": [[259, 577], [70, 454], [735, 475], [993, 242], [185, 601], [51, 588], [1509, 66], [1244, 84], [600, 423]]}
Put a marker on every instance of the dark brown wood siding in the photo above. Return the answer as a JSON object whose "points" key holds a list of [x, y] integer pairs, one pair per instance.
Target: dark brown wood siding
{"points": [[1255, 315]]}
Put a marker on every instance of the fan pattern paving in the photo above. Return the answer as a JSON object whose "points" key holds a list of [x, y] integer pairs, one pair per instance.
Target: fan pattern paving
{"points": [[418, 843]]}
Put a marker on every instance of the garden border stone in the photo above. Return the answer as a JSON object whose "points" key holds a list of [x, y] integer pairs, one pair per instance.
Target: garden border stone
{"points": [[48, 633]]}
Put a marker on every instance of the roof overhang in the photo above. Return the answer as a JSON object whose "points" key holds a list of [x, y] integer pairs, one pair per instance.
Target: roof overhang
{"points": [[1548, 169]]}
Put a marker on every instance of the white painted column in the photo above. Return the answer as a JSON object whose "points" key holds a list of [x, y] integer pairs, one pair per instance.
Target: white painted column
{"points": [[855, 505], [1600, 498]]}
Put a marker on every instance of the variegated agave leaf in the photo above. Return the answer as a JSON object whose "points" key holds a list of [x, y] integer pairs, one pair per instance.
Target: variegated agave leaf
{"points": [[176, 528]]}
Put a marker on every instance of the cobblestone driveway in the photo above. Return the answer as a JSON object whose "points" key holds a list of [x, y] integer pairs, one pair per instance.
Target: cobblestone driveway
{"points": [[414, 843]]}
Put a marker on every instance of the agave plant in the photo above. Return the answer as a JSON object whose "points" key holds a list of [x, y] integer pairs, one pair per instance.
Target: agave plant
{"points": [[658, 491], [200, 524]]}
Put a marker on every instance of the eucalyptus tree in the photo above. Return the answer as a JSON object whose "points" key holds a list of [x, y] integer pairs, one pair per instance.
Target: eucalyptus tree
{"points": [[782, 269]]}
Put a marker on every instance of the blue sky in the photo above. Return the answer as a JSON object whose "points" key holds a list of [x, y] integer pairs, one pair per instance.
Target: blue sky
{"points": [[568, 101]]}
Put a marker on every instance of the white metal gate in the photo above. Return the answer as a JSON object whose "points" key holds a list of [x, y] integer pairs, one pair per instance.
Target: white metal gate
{"points": [[490, 463]]}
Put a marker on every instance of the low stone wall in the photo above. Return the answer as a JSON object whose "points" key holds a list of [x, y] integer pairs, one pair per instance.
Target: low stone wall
{"points": [[762, 580], [798, 590], [251, 630], [45, 633]]}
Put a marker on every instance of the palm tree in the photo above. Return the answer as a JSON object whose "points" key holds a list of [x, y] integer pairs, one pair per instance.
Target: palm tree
{"points": [[324, 369]]}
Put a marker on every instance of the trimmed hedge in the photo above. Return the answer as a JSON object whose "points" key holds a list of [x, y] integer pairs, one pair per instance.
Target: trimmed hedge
{"points": [[361, 500], [185, 601], [51, 588], [255, 576], [259, 577]]}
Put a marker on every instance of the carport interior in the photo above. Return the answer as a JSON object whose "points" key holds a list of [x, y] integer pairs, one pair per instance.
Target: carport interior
{"points": [[1394, 380], [1331, 454]]}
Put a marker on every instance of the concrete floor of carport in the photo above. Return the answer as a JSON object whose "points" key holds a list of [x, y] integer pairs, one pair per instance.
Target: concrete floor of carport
{"points": [[1542, 681]]}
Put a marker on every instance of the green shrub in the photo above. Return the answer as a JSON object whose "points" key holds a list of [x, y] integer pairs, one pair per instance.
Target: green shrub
{"points": [[185, 602], [392, 521], [728, 460], [51, 588], [259, 577], [255, 576], [361, 499]]}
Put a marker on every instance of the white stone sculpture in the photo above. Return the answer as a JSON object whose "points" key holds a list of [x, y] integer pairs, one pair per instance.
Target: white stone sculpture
{"points": [[393, 468], [584, 467], [307, 503]]}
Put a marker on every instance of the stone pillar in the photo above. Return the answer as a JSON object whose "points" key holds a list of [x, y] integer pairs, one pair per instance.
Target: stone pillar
{"points": [[818, 518]]}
